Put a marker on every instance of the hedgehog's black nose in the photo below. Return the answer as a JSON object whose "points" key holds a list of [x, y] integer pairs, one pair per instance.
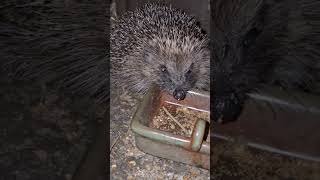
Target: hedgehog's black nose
{"points": [[179, 94]]}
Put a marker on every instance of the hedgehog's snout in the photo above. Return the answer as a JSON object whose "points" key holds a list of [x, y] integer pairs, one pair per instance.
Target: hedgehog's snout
{"points": [[179, 94]]}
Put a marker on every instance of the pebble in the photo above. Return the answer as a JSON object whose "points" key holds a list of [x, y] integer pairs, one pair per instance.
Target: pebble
{"points": [[113, 167], [133, 163]]}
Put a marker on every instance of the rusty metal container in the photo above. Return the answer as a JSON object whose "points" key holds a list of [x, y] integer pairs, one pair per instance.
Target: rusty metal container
{"points": [[191, 150]]}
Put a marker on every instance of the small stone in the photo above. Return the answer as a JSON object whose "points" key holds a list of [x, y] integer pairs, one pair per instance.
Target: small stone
{"points": [[113, 167], [133, 163], [194, 173]]}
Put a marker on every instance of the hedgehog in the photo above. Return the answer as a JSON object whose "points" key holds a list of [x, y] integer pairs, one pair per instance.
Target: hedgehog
{"points": [[258, 43], [154, 44], [159, 45]]}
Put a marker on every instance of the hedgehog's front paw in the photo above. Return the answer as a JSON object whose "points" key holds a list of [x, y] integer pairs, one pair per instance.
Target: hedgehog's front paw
{"points": [[226, 109]]}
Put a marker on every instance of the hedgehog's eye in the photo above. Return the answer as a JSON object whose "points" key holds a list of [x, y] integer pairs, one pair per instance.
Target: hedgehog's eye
{"points": [[190, 69], [163, 68]]}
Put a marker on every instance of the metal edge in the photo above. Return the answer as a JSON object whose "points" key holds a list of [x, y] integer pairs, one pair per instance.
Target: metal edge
{"points": [[158, 135], [188, 157]]}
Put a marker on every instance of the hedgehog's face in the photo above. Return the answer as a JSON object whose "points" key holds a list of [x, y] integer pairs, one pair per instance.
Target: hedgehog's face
{"points": [[175, 73], [177, 79]]}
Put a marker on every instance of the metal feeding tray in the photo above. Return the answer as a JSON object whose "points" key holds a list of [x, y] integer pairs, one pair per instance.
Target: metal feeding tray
{"points": [[191, 150], [272, 121]]}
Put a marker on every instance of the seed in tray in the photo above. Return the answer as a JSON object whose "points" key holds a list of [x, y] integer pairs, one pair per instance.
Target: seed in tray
{"points": [[186, 117]]}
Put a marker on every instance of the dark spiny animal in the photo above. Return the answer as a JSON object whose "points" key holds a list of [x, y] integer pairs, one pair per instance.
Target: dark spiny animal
{"points": [[262, 42]]}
